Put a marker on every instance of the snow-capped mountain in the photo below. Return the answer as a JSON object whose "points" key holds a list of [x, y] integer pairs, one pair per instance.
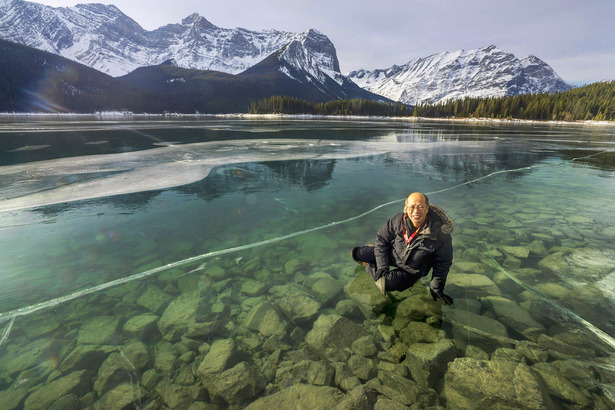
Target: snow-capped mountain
{"points": [[104, 38], [483, 72]]}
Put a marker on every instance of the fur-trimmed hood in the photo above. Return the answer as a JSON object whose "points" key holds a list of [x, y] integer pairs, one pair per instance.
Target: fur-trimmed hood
{"points": [[447, 223]]}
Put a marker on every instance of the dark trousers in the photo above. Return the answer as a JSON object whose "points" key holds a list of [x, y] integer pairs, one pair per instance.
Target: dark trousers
{"points": [[396, 279]]}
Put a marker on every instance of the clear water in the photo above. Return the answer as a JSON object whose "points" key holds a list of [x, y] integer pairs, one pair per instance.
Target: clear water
{"points": [[100, 217]]}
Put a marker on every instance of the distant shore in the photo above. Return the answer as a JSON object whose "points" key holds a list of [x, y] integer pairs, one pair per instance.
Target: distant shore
{"points": [[113, 114]]}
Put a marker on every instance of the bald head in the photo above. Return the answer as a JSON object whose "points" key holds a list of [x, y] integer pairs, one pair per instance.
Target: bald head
{"points": [[417, 206]]}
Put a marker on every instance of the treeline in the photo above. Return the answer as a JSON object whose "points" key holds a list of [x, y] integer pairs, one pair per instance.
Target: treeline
{"points": [[290, 105], [591, 102]]}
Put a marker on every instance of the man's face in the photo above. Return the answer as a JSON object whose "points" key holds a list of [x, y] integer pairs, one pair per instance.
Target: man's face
{"points": [[417, 209]]}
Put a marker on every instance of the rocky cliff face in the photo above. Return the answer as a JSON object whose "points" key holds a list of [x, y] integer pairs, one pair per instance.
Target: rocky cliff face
{"points": [[484, 72]]}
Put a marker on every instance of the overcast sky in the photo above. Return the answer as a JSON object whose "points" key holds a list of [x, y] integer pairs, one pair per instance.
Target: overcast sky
{"points": [[575, 37]]}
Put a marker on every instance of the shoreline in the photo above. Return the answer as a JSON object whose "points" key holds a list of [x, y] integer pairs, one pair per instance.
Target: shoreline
{"points": [[115, 115]]}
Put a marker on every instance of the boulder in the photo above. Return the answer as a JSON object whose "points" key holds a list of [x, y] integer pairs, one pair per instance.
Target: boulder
{"points": [[47, 394], [122, 397], [414, 308], [356, 399], [402, 390], [12, 397], [176, 396], [142, 327], [296, 303], [363, 367], [180, 317], [326, 289], [154, 299], [427, 362], [115, 370], [252, 287], [265, 319], [471, 285], [558, 385], [470, 328], [333, 331], [85, 357], [300, 396], [420, 332], [16, 358], [237, 385], [364, 346], [221, 356], [473, 384], [511, 314], [100, 330], [363, 291], [137, 355]]}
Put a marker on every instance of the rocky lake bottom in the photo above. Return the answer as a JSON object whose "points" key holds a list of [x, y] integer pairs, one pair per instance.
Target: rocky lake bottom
{"points": [[279, 316]]}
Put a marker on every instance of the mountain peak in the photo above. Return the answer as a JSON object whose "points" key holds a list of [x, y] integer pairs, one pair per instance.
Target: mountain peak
{"points": [[195, 19]]}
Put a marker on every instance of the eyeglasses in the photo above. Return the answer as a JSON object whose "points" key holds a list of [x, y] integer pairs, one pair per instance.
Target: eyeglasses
{"points": [[420, 207]]}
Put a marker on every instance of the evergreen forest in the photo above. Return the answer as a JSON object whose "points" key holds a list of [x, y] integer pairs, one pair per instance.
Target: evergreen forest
{"points": [[290, 105], [594, 101]]}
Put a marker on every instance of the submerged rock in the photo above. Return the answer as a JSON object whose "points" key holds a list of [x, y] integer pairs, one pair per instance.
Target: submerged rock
{"points": [[237, 384], [123, 396], [99, 331], [471, 285], [511, 314], [142, 327], [300, 396], [402, 390], [558, 385], [420, 332], [47, 394], [427, 362], [154, 300], [363, 291], [474, 384], [265, 319], [180, 317], [470, 328], [333, 331]]}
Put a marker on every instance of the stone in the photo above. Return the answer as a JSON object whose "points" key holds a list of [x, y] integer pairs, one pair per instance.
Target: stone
{"points": [[420, 332], [558, 385], [294, 374], [143, 327], [12, 397], [326, 289], [554, 263], [365, 293], [511, 314], [180, 317], [296, 304], [150, 379], [154, 300], [414, 308], [333, 331], [85, 356], [264, 319], [472, 384], [403, 390], [386, 404], [137, 355], [237, 385], [220, 357], [476, 353], [252, 287], [349, 309], [578, 372], [70, 401], [115, 370], [320, 373], [124, 396], [363, 367], [470, 328], [16, 358], [47, 394], [356, 399], [350, 383], [553, 290], [532, 353], [521, 252], [165, 361], [300, 396], [99, 330], [471, 285], [176, 396], [364, 346], [427, 362]]}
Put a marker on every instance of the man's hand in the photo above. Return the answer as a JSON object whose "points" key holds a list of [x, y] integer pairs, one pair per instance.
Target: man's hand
{"points": [[446, 299]]}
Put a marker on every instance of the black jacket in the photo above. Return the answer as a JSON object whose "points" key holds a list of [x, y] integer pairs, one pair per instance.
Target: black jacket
{"points": [[431, 248]]}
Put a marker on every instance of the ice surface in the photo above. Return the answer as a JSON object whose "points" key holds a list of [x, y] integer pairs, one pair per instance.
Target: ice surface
{"points": [[37, 184]]}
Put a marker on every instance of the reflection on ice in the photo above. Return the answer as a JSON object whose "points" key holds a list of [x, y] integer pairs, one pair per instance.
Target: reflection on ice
{"points": [[46, 182]]}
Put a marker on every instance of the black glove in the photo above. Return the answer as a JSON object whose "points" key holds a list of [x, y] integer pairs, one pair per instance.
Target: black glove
{"points": [[446, 299], [381, 272]]}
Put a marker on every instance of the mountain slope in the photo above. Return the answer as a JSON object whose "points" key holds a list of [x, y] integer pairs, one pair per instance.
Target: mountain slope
{"points": [[104, 38], [484, 72]]}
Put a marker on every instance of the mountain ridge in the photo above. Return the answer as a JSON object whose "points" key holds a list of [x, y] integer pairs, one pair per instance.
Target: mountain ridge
{"points": [[482, 72]]}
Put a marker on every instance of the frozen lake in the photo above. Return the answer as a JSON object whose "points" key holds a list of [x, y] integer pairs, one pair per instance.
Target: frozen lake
{"points": [[167, 262]]}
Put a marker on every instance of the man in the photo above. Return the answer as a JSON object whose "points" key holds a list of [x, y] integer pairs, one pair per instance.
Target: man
{"points": [[414, 242]]}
